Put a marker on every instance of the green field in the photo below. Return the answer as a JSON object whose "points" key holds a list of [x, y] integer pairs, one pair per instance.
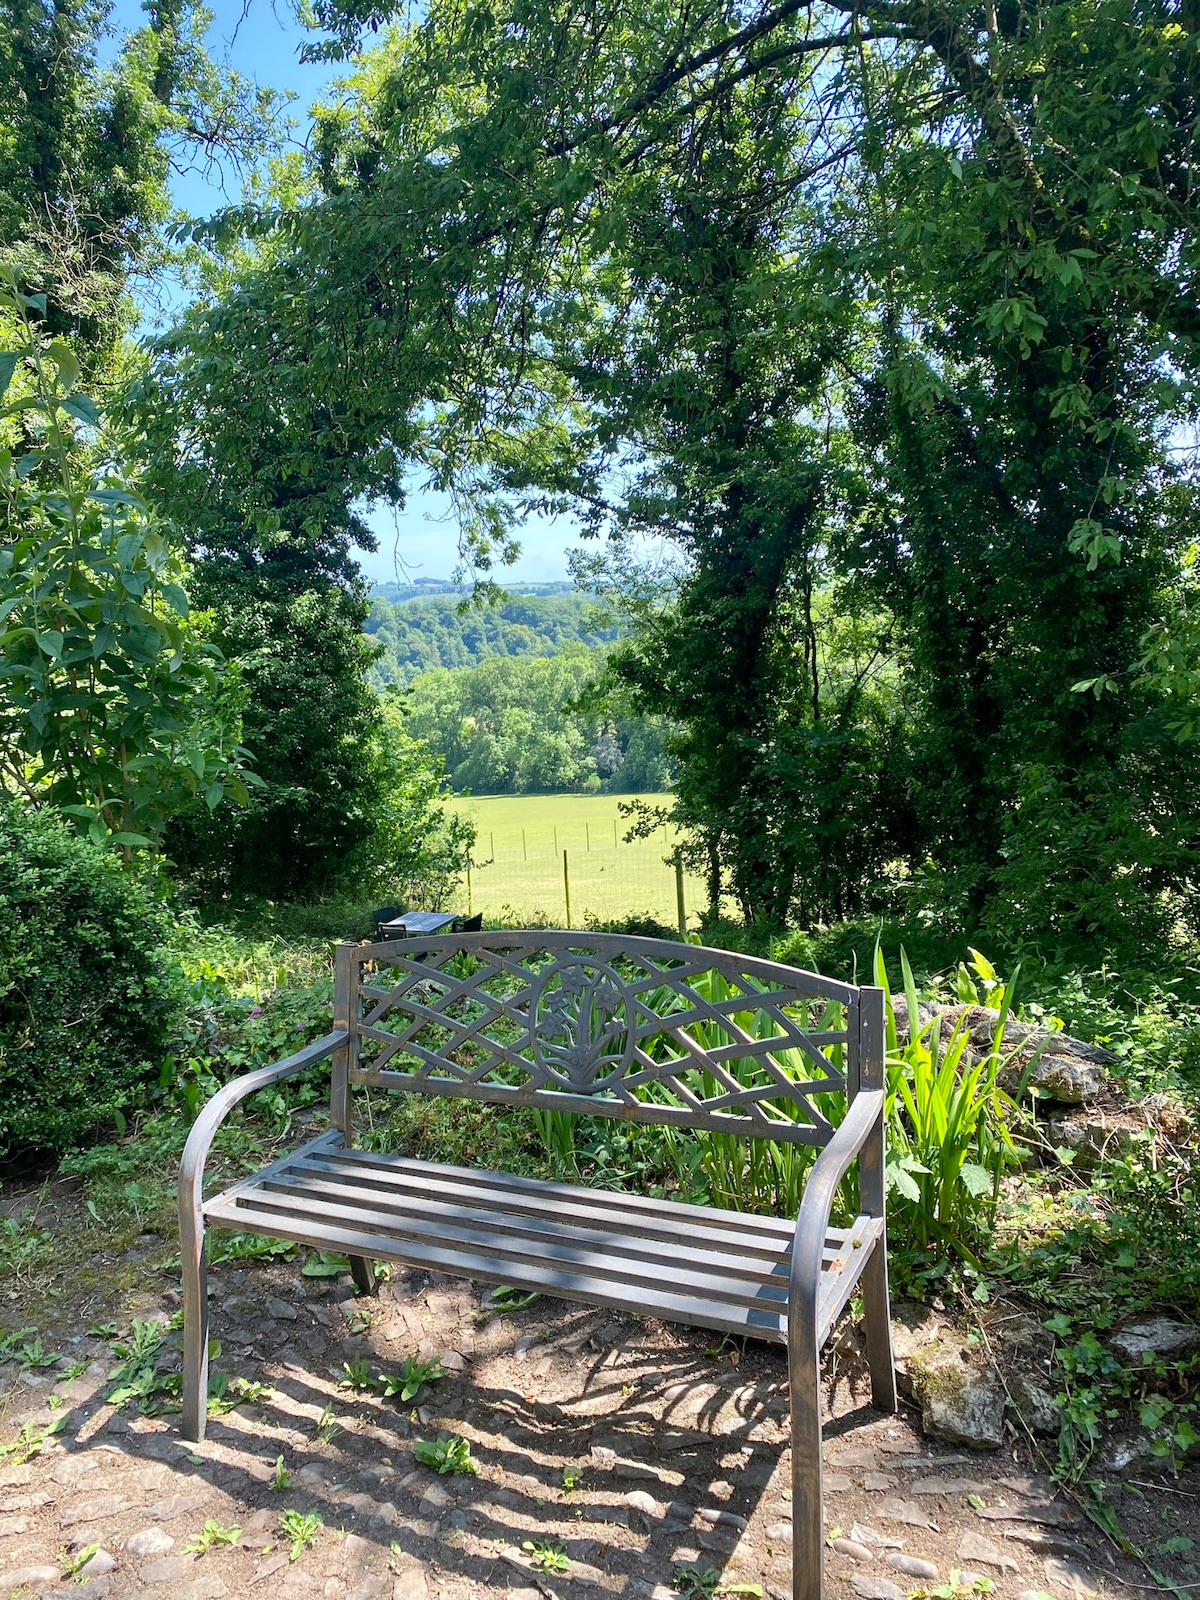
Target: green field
{"points": [[518, 861]]}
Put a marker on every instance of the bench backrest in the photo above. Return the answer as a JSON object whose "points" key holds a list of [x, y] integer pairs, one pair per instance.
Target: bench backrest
{"points": [[608, 1025]]}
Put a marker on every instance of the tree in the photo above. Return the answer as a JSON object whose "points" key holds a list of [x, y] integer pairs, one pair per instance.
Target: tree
{"points": [[970, 238], [115, 711], [85, 158]]}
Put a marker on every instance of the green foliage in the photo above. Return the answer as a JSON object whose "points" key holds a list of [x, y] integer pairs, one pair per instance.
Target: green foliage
{"points": [[89, 146], [863, 316], [696, 1582], [515, 726], [948, 1144], [114, 711], [447, 1455], [302, 1528], [89, 998], [349, 800], [31, 1440], [424, 634], [357, 1374], [211, 1537], [547, 1555], [20, 1244], [408, 1381]]}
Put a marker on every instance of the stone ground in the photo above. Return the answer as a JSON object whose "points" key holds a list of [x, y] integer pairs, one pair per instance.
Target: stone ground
{"points": [[677, 1440]]}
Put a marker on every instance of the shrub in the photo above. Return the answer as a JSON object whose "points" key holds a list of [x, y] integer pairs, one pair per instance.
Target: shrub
{"points": [[88, 998]]}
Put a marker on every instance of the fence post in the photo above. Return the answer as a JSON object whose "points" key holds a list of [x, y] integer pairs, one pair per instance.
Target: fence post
{"points": [[679, 897], [469, 907], [567, 887], [587, 829], [524, 846]]}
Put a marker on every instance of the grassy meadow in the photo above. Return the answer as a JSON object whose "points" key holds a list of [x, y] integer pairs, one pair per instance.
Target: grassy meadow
{"points": [[518, 860]]}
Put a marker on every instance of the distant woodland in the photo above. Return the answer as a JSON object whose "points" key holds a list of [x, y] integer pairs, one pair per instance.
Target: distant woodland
{"points": [[426, 633]]}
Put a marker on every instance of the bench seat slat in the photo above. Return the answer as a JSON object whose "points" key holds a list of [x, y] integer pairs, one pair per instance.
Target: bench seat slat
{"points": [[605, 1258], [397, 1168], [413, 1188], [759, 1323], [431, 1215], [732, 1276]]}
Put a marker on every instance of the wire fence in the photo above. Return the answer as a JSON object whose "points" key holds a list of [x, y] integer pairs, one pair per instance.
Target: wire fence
{"points": [[533, 853]]}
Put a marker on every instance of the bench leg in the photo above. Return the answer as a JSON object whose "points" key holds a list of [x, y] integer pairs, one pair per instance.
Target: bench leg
{"points": [[363, 1273], [195, 1336], [808, 1532], [878, 1322]]}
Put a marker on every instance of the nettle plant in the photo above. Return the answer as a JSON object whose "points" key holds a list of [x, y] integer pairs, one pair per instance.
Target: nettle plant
{"points": [[113, 708]]}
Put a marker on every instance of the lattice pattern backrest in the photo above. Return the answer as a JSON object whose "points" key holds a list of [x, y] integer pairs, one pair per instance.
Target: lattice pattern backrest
{"points": [[610, 1026]]}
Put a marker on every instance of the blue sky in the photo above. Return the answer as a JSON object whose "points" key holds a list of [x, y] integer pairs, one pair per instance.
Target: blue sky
{"points": [[262, 39]]}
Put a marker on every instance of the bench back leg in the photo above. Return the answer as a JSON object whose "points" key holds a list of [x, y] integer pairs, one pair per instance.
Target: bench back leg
{"points": [[363, 1273], [874, 1285], [804, 1385]]}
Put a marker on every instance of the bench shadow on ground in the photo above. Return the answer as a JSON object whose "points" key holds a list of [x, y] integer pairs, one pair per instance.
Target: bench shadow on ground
{"points": [[674, 1440]]}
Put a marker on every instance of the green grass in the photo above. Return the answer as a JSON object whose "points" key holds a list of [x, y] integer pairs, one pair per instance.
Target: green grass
{"points": [[518, 871]]}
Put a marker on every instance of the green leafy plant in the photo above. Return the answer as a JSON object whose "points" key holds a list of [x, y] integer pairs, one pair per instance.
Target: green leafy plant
{"points": [[137, 1377], [222, 1397], [506, 1298], [20, 1245], [324, 1264], [72, 918], [31, 1357], [31, 1440], [280, 1476], [695, 1582], [547, 1556], [327, 1424], [231, 1247], [357, 1374], [572, 1479], [447, 1456], [948, 1140], [71, 1564], [412, 1375], [211, 1537], [11, 1342], [302, 1528], [252, 1392]]}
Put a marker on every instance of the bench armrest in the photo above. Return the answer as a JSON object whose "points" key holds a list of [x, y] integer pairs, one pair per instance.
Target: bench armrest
{"points": [[204, 1129], [861, 1121]]}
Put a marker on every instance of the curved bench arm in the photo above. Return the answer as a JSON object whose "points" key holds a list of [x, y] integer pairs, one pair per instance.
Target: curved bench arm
{"points": [[191, 1216], [861, 1121], [204, 1129]]}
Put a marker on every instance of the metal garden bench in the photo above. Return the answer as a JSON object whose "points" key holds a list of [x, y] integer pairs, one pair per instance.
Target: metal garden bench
{"points": [[607, 1026]]}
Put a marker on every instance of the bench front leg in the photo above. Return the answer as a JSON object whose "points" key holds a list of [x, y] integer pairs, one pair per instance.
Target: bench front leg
{"points": [[862, 1121], [195, 1325], [808, 1498], [191, 1219]]}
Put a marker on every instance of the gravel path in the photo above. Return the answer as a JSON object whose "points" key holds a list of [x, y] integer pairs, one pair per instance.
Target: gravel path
{"points": [[632, 1446]]}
